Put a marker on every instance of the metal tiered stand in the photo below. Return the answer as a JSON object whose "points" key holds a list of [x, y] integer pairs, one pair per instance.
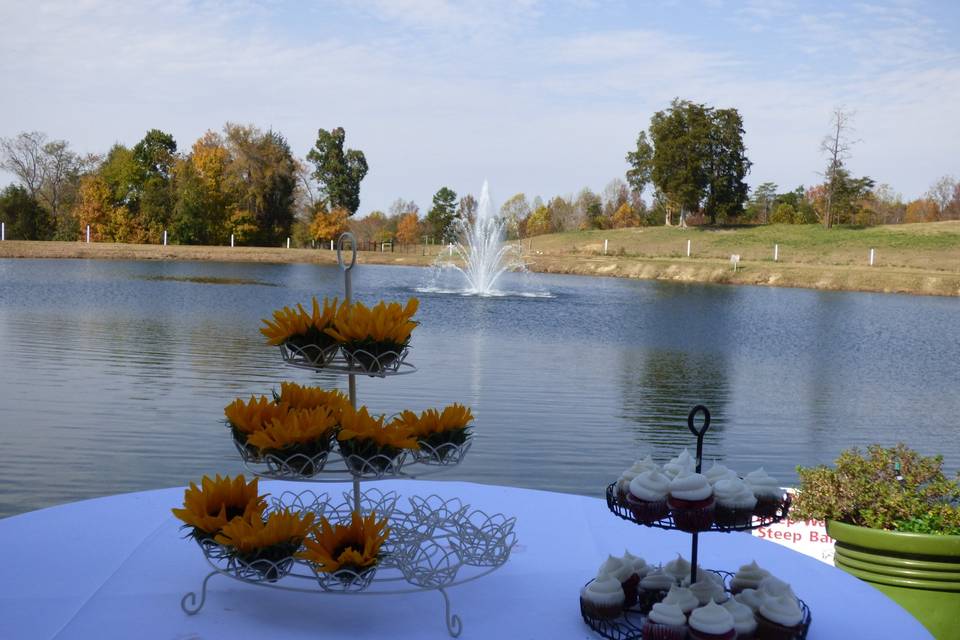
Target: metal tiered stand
{"points": [[434, 543], [629, 626]]}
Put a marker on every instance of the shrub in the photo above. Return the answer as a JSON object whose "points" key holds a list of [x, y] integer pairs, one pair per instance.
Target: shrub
{"points": [[865, 490], [783, 214]]}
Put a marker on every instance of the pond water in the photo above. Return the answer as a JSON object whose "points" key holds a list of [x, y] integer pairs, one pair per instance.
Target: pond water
{"points": [[114, 375]]}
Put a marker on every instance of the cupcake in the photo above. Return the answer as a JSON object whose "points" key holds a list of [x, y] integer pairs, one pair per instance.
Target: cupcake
{"points": [[640, 466], [735, 503], [679, 570], [665, 622], [691, 502], [711, 622], [683, 598], [750, 598], [653, 588], [718, 472], [707, 590], [647, 497], [638, 569], [602, 598], [748, 577], [775, 587], [621, 571], [779, 618], [683, 462], [744, 622], [767, 491]]}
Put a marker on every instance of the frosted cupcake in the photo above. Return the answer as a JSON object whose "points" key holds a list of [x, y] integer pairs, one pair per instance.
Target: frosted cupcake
{"points": [[779, 618], [767, 491], [735, 503], [748, 576], [665, 622], [775, 587], [679, 570], [683, 598], [683, 462], [707, 590], [638, 569], [718, 472], [711, 622], [653, 588], [750, 598], [647, 498], [691, 502], [621, 571], [602, 598], [640, 466], [744, 623]]}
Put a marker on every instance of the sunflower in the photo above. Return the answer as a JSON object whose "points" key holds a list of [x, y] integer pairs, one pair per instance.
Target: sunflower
{"points": [[249, 417], [219, 502], [455, 417], [298, 397], [297, 427], [284, 528], [303, 330], [360, 425], [383, 330], [355, 546]]}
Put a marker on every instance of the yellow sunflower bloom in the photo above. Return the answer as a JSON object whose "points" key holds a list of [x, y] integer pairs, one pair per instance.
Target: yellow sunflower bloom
{"points": [[297, 427], [355, 546], [359, 425], [251, 416], [280, 528], [299, 397], [453, 418], [218, 502], [356, 324], [299, 326]]}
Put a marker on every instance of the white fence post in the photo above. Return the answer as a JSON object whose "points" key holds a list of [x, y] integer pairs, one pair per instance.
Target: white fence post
{"points": [[288, 242], [164, 237], [231, 239], [688, 248], [776, 252], [3, 230], [88, 234], [605, 241], [735, 261], [871, 257]]}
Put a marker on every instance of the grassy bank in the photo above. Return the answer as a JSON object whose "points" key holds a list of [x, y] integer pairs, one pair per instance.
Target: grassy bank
{"points": [[919, 259]]}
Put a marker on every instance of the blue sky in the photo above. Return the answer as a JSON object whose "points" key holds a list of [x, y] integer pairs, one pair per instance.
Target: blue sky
{"points": [[539, 97]]}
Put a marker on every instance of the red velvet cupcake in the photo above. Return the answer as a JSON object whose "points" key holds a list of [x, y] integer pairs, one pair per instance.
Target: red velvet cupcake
{"points": [[691, 502], [647, 498], [712, 622]]}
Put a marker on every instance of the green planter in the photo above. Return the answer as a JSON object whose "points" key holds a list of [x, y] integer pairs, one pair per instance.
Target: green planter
{"points": [[919, 572]]}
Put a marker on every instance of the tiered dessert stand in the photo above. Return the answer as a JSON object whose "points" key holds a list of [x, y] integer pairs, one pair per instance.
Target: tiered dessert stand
{"points": [[629, 626], [434, 543]]}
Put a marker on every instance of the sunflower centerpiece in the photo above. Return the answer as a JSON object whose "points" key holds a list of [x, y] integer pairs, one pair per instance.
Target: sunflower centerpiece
{"points": [[293, 434], [369, 446], [345, 556], [264, 548], [217, 502], [302, 333], [443, 436], [373, 339]]}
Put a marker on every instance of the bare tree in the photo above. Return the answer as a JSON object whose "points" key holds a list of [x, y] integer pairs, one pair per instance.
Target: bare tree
{"points": [[23, 156], [941, 193], [49, 171], [837, 146]]}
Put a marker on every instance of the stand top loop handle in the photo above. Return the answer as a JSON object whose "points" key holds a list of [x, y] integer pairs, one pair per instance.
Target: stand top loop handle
{"points": [[353, 249], [706, 421]]}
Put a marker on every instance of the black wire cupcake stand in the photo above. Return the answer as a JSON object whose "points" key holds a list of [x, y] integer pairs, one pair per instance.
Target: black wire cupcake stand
{"points": [[434, 542], [629, 626]]}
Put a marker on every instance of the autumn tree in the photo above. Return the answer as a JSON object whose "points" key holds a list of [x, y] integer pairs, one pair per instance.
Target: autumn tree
{"points": [[467, 208], [515, 210], [625, 216], [921, 210], [539, 222], [945, 194], [338, 171], [408, 228], [328, 225], [441, 213]]}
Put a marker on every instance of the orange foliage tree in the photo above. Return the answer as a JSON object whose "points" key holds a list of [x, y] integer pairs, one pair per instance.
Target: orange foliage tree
{"points": [[408, 228], [329, 225]]}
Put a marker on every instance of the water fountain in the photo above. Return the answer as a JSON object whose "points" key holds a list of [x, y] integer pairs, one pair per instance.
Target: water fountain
{"points": [[479, 255]]}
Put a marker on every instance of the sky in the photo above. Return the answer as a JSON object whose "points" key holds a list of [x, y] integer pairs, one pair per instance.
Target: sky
{"points": [[539, 97]]}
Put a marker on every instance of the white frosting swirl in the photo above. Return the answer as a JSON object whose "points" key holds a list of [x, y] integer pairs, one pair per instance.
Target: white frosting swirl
{"points": [[656, 580], [743, 620], [719, 472], [749, 576], [751, 598], [617, 568], [682, 597], [783, 610], [690, 486], [667, 614], [650, 486], [683, 462], [711, 618], [605, 590], [734, 493], [707, 590], [763, 485], [678, 569], [636, 563], [775, 587]]}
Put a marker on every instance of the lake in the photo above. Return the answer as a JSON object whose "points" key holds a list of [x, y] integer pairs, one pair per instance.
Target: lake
{"points": [[114, 375]]}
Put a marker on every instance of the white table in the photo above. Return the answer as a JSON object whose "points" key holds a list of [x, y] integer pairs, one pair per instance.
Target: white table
{"points": [[117, 567]]}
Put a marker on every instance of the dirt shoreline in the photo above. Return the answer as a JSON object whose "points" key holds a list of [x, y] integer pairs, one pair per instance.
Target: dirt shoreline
{"points": [[883, 279]]}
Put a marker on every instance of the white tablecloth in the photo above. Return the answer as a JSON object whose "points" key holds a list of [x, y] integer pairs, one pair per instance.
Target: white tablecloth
{"points": [[117, 567]]}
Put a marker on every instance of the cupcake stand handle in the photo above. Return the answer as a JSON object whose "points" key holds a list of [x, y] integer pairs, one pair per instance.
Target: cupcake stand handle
{"points": [[348, 295], [699, 433]]}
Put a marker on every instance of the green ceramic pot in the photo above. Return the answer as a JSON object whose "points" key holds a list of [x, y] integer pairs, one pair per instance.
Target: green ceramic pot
{"points": [[919, 572]]}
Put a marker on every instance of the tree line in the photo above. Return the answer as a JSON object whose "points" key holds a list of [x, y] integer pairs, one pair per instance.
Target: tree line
{"points": [[246, 183]]}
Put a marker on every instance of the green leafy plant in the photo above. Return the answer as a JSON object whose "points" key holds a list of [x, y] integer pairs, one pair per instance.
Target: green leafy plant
{"points": [[892, 488]]}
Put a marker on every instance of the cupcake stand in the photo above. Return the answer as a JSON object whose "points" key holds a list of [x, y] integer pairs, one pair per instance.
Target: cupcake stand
{"points": [[629, 626], [434, 543]]}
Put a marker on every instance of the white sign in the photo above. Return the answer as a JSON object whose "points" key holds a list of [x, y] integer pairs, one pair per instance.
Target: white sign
{"points": [[808, 537]]}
